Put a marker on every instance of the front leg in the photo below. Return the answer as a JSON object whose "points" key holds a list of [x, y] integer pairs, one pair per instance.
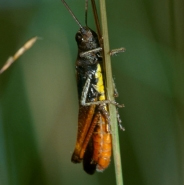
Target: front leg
{"points": [[116, 51], [87, 53]]}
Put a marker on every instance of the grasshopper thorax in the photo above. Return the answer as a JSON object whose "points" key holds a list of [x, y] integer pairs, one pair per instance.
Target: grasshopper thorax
{"points": [[86, 39]]}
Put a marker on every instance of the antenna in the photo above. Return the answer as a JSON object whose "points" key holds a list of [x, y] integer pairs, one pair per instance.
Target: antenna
{"points": [[97, 22], [70, 11], [86, 11]]}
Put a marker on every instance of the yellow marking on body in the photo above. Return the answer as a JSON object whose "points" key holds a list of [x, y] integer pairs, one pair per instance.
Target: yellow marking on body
{"points": [[100, 85]]}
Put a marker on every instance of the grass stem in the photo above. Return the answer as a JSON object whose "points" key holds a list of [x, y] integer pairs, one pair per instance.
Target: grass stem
{"points": [[110, 94]]}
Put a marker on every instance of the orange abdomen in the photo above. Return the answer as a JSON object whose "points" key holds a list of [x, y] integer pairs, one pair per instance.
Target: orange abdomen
{"points": [[102, 143]]}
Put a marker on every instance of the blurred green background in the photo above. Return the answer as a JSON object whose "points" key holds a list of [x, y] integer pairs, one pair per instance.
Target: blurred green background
{"points": [[38, 94]]}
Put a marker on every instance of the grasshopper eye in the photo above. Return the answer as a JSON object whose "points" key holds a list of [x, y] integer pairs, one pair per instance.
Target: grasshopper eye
{"points": [[78, 37]]}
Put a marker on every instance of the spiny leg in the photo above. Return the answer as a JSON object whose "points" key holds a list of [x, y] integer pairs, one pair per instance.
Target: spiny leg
{"points": [[119, 120], [86, 53], [116, 51], [116, 94], [117, 112]]}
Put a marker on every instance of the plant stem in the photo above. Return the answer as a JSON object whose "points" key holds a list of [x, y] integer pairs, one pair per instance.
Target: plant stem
{"points": [[110, 95]]}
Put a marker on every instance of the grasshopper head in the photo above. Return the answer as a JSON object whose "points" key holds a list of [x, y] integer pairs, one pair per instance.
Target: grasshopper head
{"points": [[86, 39]]}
